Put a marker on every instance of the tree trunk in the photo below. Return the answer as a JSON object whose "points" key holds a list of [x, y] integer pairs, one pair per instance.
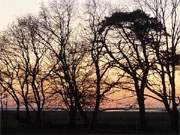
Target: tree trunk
{"points": [[17, 112], [174, 117], [72, 116], [78, 105], [28, 117], [95, 114], [175, 113], [39, 118], [142, 117], [98, 97], [83, 114]]}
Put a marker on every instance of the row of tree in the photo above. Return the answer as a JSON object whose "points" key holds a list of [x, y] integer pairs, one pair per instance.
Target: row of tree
{"points": [[69, 60]]}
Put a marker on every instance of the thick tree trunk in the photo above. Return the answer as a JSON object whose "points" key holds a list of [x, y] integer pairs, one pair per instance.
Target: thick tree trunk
{"points": [[72, 116], [175, 113], [81, 111], [174, 117], [142, 117], [39, 118], [95, 114], [28, 117], [78, 105], [98, 97], [83, 114], [18, 112]]}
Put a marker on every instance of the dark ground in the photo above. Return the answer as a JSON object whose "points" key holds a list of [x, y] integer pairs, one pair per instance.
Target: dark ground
{"points": [[109, 123]]}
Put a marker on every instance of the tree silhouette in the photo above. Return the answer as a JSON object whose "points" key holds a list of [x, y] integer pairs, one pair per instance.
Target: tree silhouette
{"points": [[133, 48], [56, 33], [100, 61], [166, 54]]}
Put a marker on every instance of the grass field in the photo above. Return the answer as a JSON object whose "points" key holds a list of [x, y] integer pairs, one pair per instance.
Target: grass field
{"points": [[108, 122]]}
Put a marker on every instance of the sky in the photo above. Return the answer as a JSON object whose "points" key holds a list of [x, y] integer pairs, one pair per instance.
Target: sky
{"points": [[12, 9]]}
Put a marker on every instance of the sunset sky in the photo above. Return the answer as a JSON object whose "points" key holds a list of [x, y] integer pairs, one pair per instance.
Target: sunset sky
{"points": [[11, 9]]}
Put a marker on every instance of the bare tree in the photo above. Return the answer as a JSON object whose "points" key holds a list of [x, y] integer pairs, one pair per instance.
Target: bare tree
{"points": [[56, 24], [167, 12], [25, 61], [95, 13], [7, 77], [37, 68], [127, 41], [14, 74]]}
